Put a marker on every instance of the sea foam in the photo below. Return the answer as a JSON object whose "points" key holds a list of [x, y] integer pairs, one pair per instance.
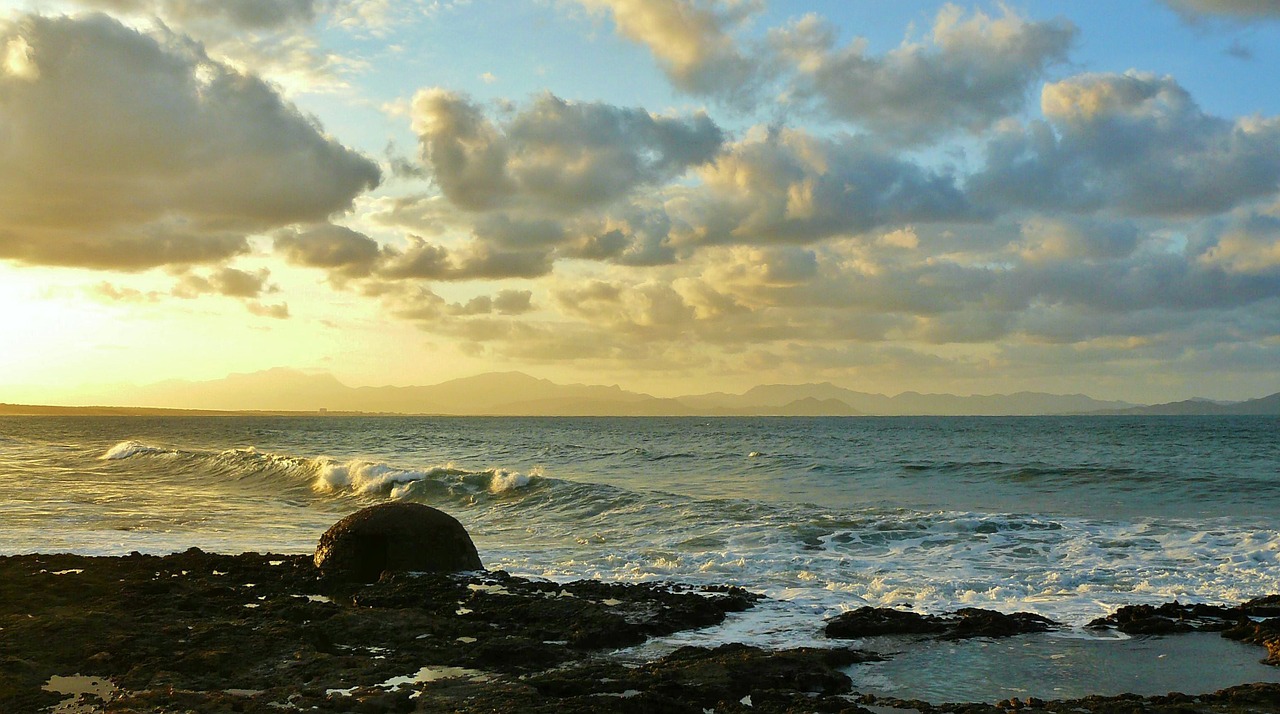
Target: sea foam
{"points": [[126, 449]]}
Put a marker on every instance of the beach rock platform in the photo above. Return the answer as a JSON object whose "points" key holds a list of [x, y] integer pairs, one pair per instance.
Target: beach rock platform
{"points": [[201, 632]]}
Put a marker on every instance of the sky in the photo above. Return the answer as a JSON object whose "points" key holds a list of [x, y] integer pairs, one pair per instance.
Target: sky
{"points": [[677, 196]]}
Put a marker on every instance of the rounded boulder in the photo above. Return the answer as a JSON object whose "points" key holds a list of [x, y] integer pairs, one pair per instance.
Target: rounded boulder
{"points": [[397, 537]]}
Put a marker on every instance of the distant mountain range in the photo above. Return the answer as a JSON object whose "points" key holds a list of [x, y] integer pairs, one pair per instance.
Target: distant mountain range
{"points": [[518, 394], [1266, 406]]}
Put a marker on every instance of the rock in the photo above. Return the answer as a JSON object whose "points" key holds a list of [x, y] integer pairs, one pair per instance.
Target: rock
{"points": [[977, 622], [873, 621], [1169, 618], [964, 623], [396, 537]]}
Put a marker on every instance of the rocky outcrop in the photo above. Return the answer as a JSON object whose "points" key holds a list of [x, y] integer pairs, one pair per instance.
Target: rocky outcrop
{"points": [[397, 537], [963, 623], [260, 634]]}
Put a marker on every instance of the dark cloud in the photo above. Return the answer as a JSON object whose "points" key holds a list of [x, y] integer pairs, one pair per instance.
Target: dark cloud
{"points": [[338, 249], [225, 281], [422, 260], [1240, 51], [139, 151], [1241, 10], [506, 302], [243, 14]]}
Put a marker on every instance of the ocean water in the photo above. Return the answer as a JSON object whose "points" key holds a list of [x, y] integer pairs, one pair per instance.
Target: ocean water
{"points": [[1069, 517]]}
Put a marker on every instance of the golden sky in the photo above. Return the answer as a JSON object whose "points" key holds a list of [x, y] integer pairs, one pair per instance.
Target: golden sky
{"points": [[678, 196]]}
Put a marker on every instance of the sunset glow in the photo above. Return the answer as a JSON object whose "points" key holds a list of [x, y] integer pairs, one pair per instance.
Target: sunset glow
{"points": [[677, 196]]}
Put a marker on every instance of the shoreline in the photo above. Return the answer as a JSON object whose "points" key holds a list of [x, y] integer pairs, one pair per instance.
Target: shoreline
{"points": [[268, 633]]}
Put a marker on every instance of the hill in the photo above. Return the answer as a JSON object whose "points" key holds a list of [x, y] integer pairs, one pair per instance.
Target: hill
{"points": [[1263, 406], [518, 394]]}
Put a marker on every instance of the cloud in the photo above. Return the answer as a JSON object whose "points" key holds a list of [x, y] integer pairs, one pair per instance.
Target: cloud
{"points": [[344, 252], [117, 293], [139, 151], [692, 40], [971, 72], [1135, 143], [557, 155], [241, 14], [225, 281], [422, 260], [276, 312], [247, 287], [1233, 9], [506, 302], [1048, 239], [1248, 243], [273, 38], [789, 186]]}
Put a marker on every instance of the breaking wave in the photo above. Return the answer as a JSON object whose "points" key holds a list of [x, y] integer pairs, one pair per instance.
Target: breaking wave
{"points": [[335, 477], [127, 449]]}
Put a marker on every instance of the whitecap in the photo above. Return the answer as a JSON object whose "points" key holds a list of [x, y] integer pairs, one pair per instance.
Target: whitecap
{"points": [[126, 449], [502, 480]]}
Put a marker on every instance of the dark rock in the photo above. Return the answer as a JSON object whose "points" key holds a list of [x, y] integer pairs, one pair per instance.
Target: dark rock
{"points": [[976, 622], [698, 679], [968, 622], [258, 634], [874, 621], [1169, 618], [396, 537]]}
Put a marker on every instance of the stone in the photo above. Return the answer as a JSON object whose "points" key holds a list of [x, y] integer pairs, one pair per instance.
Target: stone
{"points": [[962, 624], [396, 537], [873, 621]]}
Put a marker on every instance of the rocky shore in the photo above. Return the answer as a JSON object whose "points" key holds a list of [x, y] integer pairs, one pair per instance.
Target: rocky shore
{"points": [[202, 632]]}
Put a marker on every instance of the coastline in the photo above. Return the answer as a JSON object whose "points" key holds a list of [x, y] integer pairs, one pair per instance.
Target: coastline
{"points": [[268, 633]]}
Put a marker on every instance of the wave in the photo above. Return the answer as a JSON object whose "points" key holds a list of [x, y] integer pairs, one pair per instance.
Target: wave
{"points": [[827, 557], [329, 476], [127, 449]]}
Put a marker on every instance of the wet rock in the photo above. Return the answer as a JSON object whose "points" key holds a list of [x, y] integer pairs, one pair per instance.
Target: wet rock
{"points": [[396, 537], [452, 642], [964, 623], [698, 679], [977, 622], [1265, 633], [1169, 618], [874, 621]]}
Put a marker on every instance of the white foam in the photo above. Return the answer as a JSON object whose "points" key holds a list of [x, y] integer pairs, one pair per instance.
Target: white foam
{"points": [[130, 448], [503, 480], [362, 476], [375, 477]]}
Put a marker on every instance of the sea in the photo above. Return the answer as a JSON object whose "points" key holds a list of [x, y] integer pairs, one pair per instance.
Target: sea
{"points": [[1066, 516]]}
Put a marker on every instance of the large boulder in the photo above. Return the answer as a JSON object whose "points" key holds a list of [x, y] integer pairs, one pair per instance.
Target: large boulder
{"points": [[395, 536]]}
